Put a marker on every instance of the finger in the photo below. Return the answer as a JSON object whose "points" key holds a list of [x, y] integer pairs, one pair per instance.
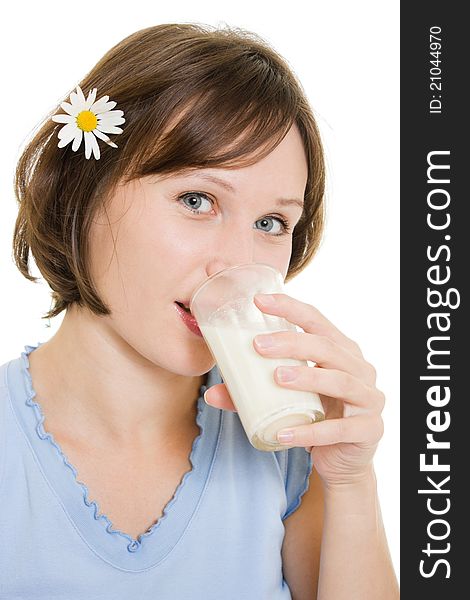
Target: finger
{"points": [[318, 348], [219, 397], [306, 316], [333, 383], [359, 429]]}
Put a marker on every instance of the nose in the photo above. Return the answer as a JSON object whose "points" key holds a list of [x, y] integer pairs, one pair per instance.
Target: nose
{"points": [[215, 266], [218, 264], [231, 253]]}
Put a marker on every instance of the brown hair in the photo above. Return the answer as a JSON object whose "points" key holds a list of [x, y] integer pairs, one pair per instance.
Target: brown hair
{"points": [[193, 96]]}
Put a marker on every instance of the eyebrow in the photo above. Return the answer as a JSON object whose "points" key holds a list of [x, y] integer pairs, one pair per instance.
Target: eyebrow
{"points": [[229, 187]]}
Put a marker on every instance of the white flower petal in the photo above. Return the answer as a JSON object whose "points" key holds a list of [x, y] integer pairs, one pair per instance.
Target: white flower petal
{"points": [[104, 107], [60, 132], [111, 121], [80, 95], [99, 102], [63, 143], [77, 140], [95, 147], [110, 114], [71, 110], [63, 118], [66, 135], [104, 137], [101, 135], [77, 102], [67, 131], [116, 113], [108, 128], [91, 98], [88, 143]]}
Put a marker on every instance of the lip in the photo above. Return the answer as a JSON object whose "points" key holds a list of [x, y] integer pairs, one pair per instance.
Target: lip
{"points": [[188, 320], [185, 302]]}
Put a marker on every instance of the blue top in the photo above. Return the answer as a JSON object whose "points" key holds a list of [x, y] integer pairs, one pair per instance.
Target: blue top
{"points": [[220, 536]]}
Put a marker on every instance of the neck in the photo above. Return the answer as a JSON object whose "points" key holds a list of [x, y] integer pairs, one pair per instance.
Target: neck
{"points": [[89, 378]]}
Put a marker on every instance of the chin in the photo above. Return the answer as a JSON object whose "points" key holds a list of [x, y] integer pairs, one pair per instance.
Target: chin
{"points": [[185, 360], [197, 365]]}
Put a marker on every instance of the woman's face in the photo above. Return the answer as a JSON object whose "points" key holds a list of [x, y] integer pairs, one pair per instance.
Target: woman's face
{"points": [[151, 249]]}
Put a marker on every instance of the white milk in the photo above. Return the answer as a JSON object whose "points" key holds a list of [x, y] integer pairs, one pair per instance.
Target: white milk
{"points": [[264, 407]]}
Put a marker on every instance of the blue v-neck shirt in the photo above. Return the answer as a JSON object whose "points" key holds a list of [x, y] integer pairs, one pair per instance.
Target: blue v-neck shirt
{"points": [[220, 536]]}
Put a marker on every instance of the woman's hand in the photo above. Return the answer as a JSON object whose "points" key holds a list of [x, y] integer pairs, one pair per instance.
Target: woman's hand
{"points": [[343, 445]]}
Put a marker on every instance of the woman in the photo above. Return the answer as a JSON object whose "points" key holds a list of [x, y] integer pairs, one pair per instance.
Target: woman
{"points": [[118, 479]]}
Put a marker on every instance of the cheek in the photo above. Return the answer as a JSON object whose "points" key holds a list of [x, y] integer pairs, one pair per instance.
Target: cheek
{"points": [[141, 255], [171, 247], [276, 256]]}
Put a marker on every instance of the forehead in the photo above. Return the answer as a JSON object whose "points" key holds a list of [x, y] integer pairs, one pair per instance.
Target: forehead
{"points": [[284, 167]]}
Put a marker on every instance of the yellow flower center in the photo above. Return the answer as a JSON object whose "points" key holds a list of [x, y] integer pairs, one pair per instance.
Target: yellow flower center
{"points": [[87, 120]]}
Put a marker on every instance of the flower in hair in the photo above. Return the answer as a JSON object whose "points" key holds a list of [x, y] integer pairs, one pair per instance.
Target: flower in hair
{"points": [[87, 119]]}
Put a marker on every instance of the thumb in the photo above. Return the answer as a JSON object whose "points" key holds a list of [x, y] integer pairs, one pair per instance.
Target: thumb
{"points": [[218, 397]]}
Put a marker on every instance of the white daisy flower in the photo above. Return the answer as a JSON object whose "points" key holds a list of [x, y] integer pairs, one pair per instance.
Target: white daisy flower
{"points": [[87, 118]]}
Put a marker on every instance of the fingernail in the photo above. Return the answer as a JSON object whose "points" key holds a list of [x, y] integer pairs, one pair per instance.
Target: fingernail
{"points": [[286, 374], [285, 436], [205, 400], [265, 341], [266, 299]]}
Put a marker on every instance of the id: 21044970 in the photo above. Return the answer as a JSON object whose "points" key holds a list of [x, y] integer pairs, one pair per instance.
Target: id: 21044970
{"points": [[435, 85]]}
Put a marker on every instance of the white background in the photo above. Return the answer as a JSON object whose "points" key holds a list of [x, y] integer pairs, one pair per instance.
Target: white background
{"points": [[346, 55]]}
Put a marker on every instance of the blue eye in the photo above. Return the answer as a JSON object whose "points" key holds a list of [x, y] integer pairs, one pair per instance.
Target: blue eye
{"points": [[191, 196], [196, 203]]}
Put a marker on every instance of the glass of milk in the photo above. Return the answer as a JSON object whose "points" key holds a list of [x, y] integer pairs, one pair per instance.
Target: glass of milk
{"points": [[229, 319]]}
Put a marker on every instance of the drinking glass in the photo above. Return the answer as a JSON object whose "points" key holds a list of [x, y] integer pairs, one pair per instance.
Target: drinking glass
{"points": [[229, 319]]}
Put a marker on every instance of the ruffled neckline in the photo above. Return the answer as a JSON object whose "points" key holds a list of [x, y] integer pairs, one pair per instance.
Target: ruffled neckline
{"points": [[133, 544]]}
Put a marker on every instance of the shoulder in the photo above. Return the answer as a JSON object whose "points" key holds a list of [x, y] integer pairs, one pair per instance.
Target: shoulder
{"points": [[302, 541], [3, 408], [10, 380], [3, 389], [3, 374], [11, 386]]}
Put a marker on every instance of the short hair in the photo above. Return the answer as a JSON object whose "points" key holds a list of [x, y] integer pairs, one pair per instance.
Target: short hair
{"points": [[193, 96]]}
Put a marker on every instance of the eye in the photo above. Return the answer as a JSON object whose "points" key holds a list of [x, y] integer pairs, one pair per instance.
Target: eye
{"points": [[284, 225], [194, 198]]}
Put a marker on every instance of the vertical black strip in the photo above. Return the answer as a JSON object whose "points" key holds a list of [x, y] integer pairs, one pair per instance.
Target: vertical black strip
{"points": [[435, 254]]}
